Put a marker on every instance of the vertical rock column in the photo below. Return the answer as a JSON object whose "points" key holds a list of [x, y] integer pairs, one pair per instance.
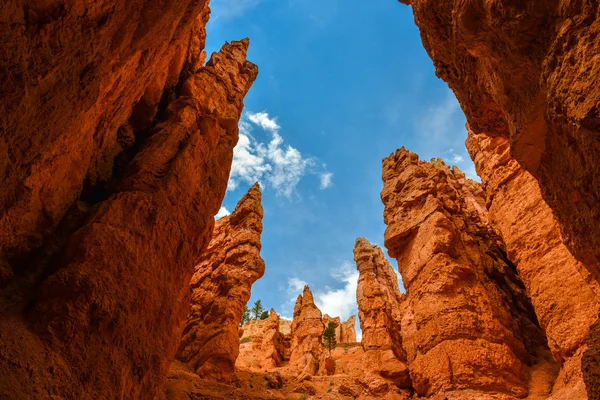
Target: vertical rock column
{"points": [[563, 293], [467, 322], [379, 311], [307, 332], [221, 288]]}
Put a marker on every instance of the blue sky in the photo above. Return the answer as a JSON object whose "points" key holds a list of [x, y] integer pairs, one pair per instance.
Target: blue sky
{"points": [[341, 85]]}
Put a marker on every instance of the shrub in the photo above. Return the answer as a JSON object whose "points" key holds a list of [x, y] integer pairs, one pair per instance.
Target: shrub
{"points": [[245, 339]]}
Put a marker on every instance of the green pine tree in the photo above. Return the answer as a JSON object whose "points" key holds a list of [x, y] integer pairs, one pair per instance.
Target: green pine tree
{"points": [[329, 341], [245, 316], [264, 315], [257, 309]]}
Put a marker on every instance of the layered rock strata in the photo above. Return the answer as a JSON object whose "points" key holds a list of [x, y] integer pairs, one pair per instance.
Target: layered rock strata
{"points": [[563, 293], [529, 72], [467, 322], [379, 311], [96, 312], [307, 331], [221, 288]]}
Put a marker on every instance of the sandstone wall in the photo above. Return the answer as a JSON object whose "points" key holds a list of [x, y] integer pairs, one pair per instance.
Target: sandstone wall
{"points": [[563, 293], [221, 288], [528, 71], [467, 322]]}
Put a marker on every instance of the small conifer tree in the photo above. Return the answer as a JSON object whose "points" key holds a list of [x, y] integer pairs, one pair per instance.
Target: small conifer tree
{"points": [[329, 341], [264, 315], [257, 309], [245, 316]]}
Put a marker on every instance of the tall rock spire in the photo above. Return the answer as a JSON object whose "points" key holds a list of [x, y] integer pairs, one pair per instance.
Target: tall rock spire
{"points": [[221, 288]]}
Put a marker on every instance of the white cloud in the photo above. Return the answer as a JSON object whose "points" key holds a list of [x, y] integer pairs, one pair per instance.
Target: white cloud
{"points": [[340, 302], [262, 119], [296, 285], [223, 212], [326, 180], [451, 157], [274, 164]]}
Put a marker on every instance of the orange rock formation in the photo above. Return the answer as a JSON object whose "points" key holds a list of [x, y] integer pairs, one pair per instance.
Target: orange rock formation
{"points": [[467, 322], [307, 331], [220, 289], [345, 332], [563, 293], [379, 311], [269, 345], [528, 72], [95, 312]]}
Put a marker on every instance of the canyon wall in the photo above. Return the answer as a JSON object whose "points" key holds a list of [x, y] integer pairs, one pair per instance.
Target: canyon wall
{"points": [[307, 331], [529, 72], [467, 323], [562, 291], [380, 312], [95, 312], [221, 288]]}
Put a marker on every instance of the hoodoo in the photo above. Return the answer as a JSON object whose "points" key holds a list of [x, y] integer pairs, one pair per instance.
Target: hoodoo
{"points": [[467, 322], [221, 288]]}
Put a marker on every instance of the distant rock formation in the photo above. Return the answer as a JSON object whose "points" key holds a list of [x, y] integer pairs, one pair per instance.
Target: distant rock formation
{"points": [[269, 346], [345, 332], [379, 310], [467, 322], [221, 288], [307, 331], [348, 330]]}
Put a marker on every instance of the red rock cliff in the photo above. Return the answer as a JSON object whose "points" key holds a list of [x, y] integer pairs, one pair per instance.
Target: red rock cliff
{"points": [[528, 71], [95, 311], [221, 288], [380, 311], [563, 293], [467, 323]]}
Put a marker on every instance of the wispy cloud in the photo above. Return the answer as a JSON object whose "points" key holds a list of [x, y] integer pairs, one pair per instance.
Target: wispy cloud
{"points": [[275, 164], [223, 212], [230, 9], [451, 157], [326, 180]]}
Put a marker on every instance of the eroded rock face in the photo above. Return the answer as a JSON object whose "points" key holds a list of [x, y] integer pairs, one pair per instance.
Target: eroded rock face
{"points": [[379, 311], [70, 76], [348, 330], [269, 347], [563, 293], [104, 320], [220, 289], [307, 330], [466, 323], [529, 72]]}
